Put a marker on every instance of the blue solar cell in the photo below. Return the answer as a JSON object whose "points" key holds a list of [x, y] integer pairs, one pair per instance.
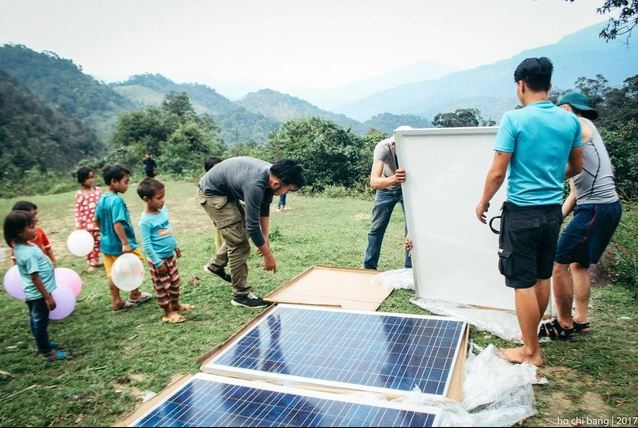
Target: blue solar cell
{"points": [[375, 350], [203, 402]]}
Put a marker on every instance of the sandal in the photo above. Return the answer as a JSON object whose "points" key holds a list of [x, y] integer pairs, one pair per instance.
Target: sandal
{"points": [[174, 319], [553, 330], [581, 328], [125, 306], [142, 298]]}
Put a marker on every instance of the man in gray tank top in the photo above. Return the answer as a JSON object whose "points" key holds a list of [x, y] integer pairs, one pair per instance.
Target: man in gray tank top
{"points": [[597, 211], [386, 178]]}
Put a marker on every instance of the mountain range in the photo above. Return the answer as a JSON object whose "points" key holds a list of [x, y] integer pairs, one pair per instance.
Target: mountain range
{"points": [[61, 84], [490, 88]]}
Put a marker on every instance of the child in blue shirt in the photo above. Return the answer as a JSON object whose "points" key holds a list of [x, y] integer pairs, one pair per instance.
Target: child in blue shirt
{"points": [[161, 250], [38, 278], [116, 232]]}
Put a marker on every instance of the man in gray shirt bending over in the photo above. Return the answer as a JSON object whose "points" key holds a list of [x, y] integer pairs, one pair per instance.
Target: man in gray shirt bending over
{"points": [[254, 182]]}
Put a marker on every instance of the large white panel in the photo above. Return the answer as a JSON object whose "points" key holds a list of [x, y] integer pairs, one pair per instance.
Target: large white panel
{"points": [[454, 257]]}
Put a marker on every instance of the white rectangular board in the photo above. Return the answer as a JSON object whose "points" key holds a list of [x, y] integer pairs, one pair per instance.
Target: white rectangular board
{"points": [[455, 258]]}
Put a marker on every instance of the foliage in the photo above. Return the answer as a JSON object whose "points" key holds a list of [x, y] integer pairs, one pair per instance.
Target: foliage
{"points": [[621, 259], [329, 154], [174, 133], [37, 138], [60, 83], [240, 127], [625, 21], [461, 117]]}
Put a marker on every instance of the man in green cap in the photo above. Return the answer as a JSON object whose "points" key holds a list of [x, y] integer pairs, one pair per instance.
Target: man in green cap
{"points": [[594, 201]]}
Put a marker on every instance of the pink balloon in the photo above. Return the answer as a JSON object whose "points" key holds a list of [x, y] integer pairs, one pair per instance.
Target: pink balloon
{"points": [[64, 302], [13, 283], [70, 278]]}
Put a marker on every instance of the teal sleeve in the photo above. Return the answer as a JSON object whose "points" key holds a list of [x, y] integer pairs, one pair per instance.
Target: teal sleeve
{"points": [[506, 136], [120, 212], [31, 264], [146, 230]]}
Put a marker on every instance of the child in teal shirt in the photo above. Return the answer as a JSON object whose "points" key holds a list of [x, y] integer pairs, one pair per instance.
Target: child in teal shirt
{"points": [[38, 278], [161, 250]]}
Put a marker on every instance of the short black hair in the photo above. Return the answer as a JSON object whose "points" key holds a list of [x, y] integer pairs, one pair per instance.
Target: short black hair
{"points": [[24, 206], [114, 172], [289, 172], [14, 223], [536, 73], [83, 174], [211, 161], [149, 187]]}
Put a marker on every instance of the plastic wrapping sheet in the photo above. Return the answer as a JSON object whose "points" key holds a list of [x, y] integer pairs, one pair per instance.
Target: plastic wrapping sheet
{"points": [[503, 324], [498, 322]]}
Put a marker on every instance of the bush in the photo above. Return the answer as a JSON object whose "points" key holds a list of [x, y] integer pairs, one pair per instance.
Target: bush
{"points": [[621, 258]]}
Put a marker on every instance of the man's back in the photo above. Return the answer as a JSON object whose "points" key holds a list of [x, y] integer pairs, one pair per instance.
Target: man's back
{"points": [[540, 137]]}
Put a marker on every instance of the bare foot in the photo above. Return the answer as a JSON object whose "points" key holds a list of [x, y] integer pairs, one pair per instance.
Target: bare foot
{"points": [[182, 308], [520, 355]]}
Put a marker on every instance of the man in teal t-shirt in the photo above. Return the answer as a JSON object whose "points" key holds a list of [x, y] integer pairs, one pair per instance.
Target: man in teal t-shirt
{"points": [[540, 145]]}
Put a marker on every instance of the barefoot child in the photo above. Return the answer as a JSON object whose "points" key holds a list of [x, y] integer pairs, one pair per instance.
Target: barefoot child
{"points": [[40, 239], [116, 231], [85, 203], [161, 249], [38, 278]]}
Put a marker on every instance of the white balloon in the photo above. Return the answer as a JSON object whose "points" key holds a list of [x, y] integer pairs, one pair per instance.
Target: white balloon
{"points": [[127, 272], [80, 243]]}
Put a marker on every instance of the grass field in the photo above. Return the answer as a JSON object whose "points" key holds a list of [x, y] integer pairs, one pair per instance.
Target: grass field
{"points": [[117, 357]]}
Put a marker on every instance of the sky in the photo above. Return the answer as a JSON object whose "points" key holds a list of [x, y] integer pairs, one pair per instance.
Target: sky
{"points": [[239, 45]]}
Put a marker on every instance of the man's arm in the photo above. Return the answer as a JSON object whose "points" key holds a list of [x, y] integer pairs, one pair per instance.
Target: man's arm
{"points": [[270, 263], [493, 181], [570, 201], [575, 163], [378, 182]]}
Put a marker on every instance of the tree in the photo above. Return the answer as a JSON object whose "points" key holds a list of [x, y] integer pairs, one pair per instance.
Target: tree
{"points": [[625, 22], [461, 117], [329, 154]]}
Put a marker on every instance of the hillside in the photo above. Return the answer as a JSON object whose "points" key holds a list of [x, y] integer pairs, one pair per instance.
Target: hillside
{"points": [[490, 88], [237, 125], [62, 84], [36, 136], [283, 107]]}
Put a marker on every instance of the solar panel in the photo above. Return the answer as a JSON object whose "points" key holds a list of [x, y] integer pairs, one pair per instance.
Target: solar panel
{"points": [[212, 401], [360, 350]]}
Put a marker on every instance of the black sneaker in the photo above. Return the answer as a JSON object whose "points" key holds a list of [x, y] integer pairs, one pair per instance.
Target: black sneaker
{"points": [[220, 273], [249, 301]]}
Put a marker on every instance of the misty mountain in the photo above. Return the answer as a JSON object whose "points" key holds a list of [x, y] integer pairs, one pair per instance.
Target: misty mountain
{"points": [[490, 88], [332, 99]]}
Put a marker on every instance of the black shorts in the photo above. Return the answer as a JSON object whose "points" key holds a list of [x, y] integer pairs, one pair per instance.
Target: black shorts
{"points": [[527, 243]]}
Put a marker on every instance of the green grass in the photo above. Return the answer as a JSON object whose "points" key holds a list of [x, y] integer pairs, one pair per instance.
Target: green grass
{"points": [[116, 357]]}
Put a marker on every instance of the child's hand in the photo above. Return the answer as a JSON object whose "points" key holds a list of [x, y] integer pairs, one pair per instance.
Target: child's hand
{"points": [[126, 248], [178, 253], [50, 301], [408, 244], [163, 269]]}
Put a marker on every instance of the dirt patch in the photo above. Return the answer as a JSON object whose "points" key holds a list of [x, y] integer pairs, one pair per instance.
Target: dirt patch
{"points": [[599, 276], [125, 384], [362, 216]]}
